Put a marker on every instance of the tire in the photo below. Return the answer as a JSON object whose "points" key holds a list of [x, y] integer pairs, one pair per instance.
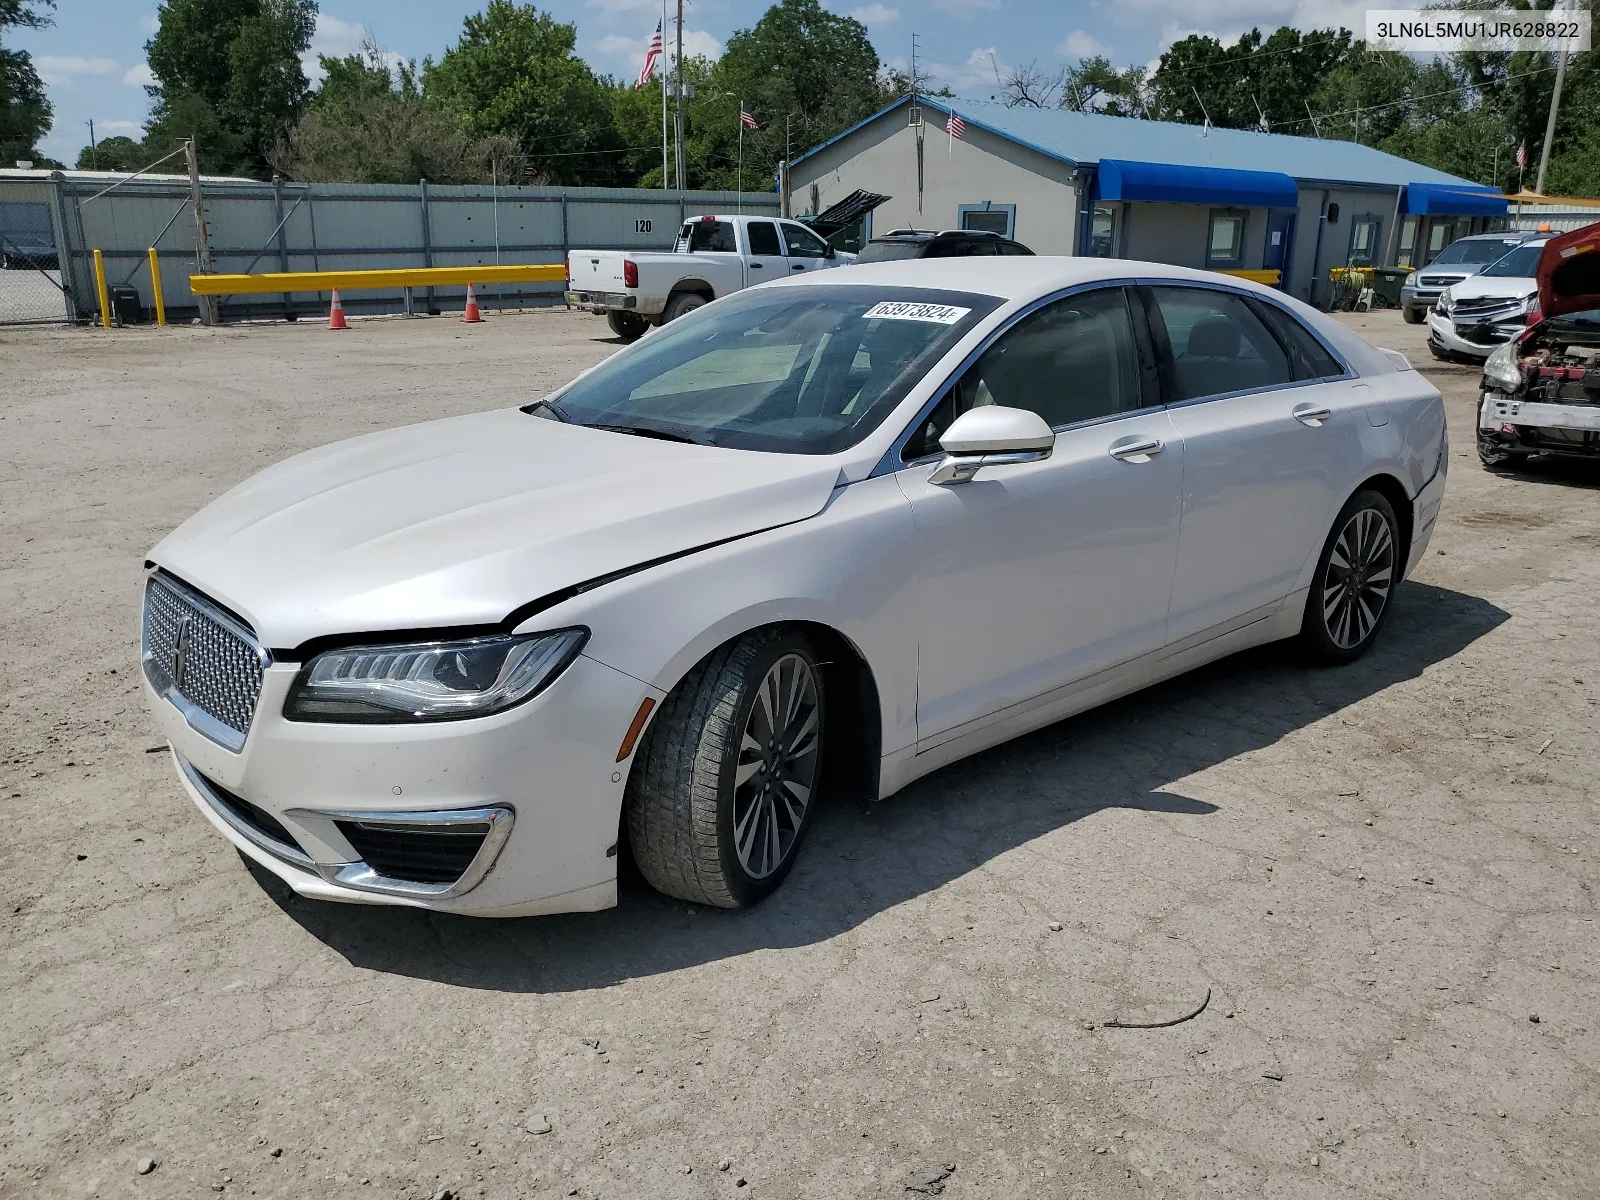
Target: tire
{"points": [[683, 302], [1497, 456], [698, 831], [628, 326], [1340, 623], [1414, 316]]}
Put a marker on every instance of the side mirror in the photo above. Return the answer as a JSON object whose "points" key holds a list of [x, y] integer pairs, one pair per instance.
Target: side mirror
{"points": [[991, 436], [828, 252]]}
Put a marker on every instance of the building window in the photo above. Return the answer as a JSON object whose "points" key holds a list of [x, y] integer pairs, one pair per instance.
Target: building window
{"points": [[1225, 245], [989, 217], [1365, 239], [1103, 231], [1408, 243]]}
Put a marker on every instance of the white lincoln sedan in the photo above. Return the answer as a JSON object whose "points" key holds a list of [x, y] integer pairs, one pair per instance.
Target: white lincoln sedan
{"points": [[820, 537]]}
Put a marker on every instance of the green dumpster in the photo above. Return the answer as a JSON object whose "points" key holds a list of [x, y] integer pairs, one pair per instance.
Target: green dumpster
{"points": [[1386, 283]]}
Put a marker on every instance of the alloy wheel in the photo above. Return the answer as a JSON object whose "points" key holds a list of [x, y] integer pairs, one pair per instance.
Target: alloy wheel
{"points": [[777, 766], [1360, 576]]}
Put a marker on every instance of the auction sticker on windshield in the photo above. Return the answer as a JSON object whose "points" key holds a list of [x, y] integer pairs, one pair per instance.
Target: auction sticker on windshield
{"points": [[904, 310]]}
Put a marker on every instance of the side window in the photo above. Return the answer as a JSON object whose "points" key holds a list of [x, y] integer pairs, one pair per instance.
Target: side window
{"points": [[1015, 248], [763, 238], [802, 242], [983, 248], [1310, 359], [1071, 361], [1218, 343], [1225, 243]]}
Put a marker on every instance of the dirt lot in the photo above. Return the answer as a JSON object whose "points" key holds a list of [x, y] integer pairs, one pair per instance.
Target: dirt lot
{"points": [[1385, 876]]}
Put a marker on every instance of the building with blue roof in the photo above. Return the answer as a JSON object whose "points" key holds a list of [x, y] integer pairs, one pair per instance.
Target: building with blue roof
{"points": [[1066, 182]]}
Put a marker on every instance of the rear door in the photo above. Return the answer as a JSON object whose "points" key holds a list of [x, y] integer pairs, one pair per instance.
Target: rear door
{"points": [[1270, 444], [764, 258]]}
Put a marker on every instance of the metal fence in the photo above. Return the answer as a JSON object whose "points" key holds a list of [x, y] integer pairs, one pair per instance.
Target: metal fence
{"points": [[1552, 218], [256, 227]]}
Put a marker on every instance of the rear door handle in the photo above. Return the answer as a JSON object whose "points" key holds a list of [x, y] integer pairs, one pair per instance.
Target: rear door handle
{"points": [[1138, 450], [1311, 414]]}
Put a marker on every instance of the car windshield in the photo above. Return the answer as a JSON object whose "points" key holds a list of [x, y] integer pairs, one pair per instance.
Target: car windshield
{"points": [[1519, 264], [889, 251], [797, 370], [1471, 251]]}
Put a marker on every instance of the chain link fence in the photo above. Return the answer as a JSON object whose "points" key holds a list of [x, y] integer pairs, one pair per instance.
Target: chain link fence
{"points": [[30, 270]]}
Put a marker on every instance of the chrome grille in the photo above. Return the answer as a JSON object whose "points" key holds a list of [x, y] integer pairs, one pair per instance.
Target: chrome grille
{"points": [[1486, 308], [1439, 281], [203, 659]]}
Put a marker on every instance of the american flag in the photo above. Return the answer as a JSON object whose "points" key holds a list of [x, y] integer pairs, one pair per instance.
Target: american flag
{"points": [[652, 55], [1522, 155], [955, 126], [745, 118]]}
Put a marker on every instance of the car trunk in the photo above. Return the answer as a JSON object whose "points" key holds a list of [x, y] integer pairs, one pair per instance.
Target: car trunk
{"points": [[595, 270]]}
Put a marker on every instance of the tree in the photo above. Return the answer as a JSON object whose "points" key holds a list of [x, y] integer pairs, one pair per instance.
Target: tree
{"points": [[370, 124], [25, 110], [1094, 85], [228, 72], [1257, 79], [801, 71], [514, 73], [1026, 86]]}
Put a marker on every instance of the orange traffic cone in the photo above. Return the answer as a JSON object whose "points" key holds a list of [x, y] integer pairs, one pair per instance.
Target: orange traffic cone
{"points": [[336, 313], [472, 314]]}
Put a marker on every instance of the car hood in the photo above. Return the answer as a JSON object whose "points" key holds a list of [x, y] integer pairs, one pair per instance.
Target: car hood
{"points": [[459, 522], [1569, 273], [1502, 285]]}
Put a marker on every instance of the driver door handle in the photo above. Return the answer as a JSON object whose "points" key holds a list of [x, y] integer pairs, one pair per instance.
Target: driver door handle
{"points": [[1142, 450], [797, 266], [1311, 414]]}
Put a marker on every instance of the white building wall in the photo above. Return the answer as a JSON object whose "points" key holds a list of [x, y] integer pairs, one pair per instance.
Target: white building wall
{"points": [[882, 157]]}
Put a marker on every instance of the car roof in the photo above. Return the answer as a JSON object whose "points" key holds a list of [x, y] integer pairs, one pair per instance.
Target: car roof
{"points": [[1023, 277]]}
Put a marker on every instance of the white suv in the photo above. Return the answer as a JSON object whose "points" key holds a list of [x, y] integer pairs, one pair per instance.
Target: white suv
{"points": [[1474, 316]]}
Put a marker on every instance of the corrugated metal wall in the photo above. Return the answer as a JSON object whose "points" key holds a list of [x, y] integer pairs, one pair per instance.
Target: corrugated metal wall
{"points": [[258, 227], [1559, 218]]}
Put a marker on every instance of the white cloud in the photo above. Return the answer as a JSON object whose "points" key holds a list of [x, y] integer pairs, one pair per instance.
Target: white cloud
{"points": [[876, 14], [966, 8], [626, 6], [1079, 44], [1242, 14], [60, 69], [104, 129], [139, 75], [697, 43], [150, 23], [336, 39], [977, 71]]}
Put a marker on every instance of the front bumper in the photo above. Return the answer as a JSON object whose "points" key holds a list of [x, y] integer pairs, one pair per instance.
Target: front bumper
{"points": [[1413, 298], [542, 776], [1472, 340], [1536, 425]]}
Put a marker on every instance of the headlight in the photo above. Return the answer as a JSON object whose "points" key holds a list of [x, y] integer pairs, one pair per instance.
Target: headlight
{"points": [[429, 681], [1501, 368], [1447, 300], [1411, 280]]}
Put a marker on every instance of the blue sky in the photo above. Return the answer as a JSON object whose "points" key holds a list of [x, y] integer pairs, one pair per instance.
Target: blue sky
{"points": [[92, 60]]}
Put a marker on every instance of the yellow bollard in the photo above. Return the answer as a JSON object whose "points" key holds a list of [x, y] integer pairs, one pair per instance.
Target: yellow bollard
{"points": [[155, 288], [100, 287]]}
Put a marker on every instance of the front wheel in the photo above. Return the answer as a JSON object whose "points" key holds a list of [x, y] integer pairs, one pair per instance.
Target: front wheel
{"points": [[1415, 316], [724, 786], [628, 326], [1354, 581]]}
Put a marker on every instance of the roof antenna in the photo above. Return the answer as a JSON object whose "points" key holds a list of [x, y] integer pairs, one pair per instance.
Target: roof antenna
{"points": [[1265, 126], [1206, 131], [1315, 132]]}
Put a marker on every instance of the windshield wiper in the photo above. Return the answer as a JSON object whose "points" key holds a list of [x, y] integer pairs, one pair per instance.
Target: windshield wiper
{"points": [[549, 406], [649, 432]]}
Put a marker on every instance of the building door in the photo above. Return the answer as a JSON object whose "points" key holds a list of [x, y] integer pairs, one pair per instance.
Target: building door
{"points": [[1280, 244]]}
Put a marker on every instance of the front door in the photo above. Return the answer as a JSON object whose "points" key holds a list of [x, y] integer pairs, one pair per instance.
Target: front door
{"points": [[766, 261], [1268, 452], [1280, 244], [807, 251], [1039, 574]]}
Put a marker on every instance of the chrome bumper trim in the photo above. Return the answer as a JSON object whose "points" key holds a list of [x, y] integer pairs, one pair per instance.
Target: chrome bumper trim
{"points": [[292, 855], [360, 877]]}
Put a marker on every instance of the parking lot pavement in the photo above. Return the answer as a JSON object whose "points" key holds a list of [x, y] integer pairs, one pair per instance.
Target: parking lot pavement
{"points": [[1385, 876]]}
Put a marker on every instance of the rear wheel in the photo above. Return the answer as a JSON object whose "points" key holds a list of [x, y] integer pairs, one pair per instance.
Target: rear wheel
{"points": [[1354, 582], [1414, 316], [683, 302], [722, 792], [626, 325]]}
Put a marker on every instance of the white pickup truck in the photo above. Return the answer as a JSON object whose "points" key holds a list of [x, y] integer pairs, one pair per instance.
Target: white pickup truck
{"points": [[714, 255]]}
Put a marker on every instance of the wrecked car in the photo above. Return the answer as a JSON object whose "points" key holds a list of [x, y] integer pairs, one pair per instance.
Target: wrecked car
{"points": [[1541, 389]]}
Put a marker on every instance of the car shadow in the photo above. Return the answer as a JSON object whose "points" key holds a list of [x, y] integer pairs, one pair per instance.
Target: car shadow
{"points": [[1557, 470], [863, 858]]}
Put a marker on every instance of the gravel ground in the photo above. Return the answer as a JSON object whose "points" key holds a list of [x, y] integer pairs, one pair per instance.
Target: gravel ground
{"points": [[1384, 875]]}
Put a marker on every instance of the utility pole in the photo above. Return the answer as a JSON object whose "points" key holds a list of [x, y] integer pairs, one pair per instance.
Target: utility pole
{"points": [[783, 170], [916, 119], [1550, 126], [94, 150], [677, 120], [202, 236]]}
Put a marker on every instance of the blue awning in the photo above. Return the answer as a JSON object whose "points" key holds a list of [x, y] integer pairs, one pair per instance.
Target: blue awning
{"points": [[1438, 199], [1165, 183]]}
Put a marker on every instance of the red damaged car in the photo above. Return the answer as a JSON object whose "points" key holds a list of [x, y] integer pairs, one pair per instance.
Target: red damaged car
{"points": [[1541, 391]]}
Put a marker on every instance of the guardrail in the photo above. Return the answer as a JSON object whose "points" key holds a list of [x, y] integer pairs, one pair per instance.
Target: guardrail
{"points": [[351, 281]]}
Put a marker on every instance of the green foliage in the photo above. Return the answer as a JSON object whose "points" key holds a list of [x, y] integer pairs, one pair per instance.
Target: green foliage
{"points": [[514, 73], [1094, 85], [228, 72], [25, 110], [1259, 75], [370, 124]]}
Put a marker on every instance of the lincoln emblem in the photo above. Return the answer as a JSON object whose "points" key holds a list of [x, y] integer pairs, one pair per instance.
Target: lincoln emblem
{"points": [[180, 654]]}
